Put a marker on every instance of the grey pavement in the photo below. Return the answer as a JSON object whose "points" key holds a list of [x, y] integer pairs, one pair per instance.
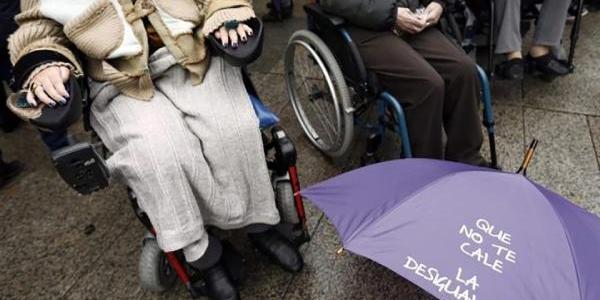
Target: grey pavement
{"points": [[46, 254]]}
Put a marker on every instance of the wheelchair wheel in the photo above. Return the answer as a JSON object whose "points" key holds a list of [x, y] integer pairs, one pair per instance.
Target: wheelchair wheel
{"points": [[319, 94], [154, 270], [284, 196]]}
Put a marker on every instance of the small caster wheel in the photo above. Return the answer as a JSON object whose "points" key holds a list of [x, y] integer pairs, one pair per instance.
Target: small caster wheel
{"points": [[154, 270]]}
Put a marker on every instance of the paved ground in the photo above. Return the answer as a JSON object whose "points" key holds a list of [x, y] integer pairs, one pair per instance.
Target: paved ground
{"points": [[45, 253]]}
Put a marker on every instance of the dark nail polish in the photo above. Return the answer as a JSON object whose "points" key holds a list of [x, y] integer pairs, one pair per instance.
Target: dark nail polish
{"points": [[51, 104], [244, 39], [234, 45]]}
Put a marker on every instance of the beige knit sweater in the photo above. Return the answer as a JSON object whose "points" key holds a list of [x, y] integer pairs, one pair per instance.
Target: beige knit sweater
{"points": [[112, 37]]}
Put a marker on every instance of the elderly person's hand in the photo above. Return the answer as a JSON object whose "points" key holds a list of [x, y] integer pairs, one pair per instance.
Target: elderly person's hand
{"points": [[231, 36], [48, 86], [433, 13], [410, 22]]}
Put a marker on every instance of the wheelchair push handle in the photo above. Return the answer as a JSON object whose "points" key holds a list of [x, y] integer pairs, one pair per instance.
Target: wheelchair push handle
{"points": [[245, 53]]}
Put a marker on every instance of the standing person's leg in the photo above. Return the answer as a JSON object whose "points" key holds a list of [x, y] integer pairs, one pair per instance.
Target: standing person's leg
{"points": [[550, 26], [419, 88], [9, 171], [509, 41], [508, 27], [461, 98]]}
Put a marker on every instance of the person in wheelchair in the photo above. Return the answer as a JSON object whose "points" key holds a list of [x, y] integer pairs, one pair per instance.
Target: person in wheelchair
{"points": [[178, 121], [542, 57], [434, 80]]}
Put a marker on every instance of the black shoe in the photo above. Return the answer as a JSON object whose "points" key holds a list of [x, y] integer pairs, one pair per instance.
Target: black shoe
{"points": [[278, 248], [511, 69], [547, 66], [9, 171], [218, 284]]}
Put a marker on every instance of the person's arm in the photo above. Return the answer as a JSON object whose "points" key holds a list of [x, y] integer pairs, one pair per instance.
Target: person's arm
{"points": [[369, 14], [218, 12], [41, 55]]}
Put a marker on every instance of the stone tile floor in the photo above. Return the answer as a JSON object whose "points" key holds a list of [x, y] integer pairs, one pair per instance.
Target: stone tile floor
{"points": [[45, 253]]}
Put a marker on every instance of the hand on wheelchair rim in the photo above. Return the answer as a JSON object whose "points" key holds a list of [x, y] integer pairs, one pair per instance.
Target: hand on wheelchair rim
{"points": [[230, 36], [48, 87]]}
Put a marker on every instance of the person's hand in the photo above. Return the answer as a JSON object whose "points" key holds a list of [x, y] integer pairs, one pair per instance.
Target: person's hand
{"points": [[232, 36], [409, 22], [48, 86], [433, 12]]}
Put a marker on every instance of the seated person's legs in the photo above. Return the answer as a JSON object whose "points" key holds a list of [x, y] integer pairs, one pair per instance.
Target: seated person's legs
{"points": [[548, 33], [194, 157], [436, 84]]}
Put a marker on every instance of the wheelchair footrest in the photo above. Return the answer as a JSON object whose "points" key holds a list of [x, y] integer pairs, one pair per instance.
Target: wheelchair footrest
{"points": [[81, 167]]}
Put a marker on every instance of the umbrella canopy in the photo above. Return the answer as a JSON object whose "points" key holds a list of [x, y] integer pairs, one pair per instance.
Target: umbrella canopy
{"points": [[463, 232]]}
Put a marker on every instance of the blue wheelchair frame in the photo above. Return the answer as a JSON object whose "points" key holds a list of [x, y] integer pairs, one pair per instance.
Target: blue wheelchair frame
{"points": [[385, 100]]}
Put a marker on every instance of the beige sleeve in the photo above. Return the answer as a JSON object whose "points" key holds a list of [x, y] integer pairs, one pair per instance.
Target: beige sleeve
{"points": [[219, 11], [37, 32]]}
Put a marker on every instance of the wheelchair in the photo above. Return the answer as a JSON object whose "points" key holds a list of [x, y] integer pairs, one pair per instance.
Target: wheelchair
{"points": [[331, 91], [82, 167]]}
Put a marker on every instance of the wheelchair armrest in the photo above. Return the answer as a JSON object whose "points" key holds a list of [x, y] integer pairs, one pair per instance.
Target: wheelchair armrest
{"points": [[61, 117], [314, 10], [245, 53]]}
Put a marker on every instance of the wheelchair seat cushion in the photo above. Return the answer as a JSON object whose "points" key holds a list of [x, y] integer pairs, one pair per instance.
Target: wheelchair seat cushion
{"points": [[265, 116]]}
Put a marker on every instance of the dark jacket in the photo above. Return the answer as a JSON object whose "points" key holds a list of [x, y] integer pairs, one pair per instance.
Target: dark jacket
{"points": [[371, 14], [8, 10]]}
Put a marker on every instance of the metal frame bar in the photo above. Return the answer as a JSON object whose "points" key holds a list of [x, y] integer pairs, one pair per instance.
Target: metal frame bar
{"points": [[386, 99], [488, 114], [575, 35]]}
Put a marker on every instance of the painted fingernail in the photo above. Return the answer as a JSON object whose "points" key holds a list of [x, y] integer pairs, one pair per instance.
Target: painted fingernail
{"points": [[234, 45], [51, 104], [244, 39]]}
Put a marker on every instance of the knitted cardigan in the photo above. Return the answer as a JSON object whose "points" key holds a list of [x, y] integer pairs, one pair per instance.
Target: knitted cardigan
{"points": [[107, 40]]}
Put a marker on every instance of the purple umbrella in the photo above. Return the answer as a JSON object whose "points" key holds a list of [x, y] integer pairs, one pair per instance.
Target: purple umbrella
{"points": [[463, 232]]}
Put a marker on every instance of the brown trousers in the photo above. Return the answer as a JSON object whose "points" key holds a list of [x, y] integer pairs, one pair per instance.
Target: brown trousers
{"points": [[437, 85]]}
